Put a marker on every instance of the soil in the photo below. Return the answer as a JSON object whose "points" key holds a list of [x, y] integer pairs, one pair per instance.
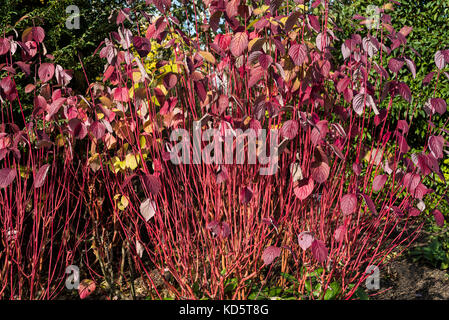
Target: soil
{"points": [[408, 280]]}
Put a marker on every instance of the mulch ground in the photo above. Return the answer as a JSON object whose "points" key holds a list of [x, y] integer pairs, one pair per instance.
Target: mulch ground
{"points": [[408, 280]]}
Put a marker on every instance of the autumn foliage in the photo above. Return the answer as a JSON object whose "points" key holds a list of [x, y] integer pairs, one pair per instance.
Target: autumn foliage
{"points": [[87, 178]]}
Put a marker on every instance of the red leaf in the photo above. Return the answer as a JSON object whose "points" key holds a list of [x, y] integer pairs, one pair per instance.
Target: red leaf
{"points": [[77, 128], [356, 168], [142, 45], [319, 171], [436, 146], [270, 253], [379, 182], [304, 188], [255, 75], [405, 92], [428, 78], [395, 64], [98, 129], [339, 234], [246, 195], [7, 176], [170, 80], [41, 176], [46, 71], [358, 102], [289, 129], [239, 43], [319, 250], [38, 34], [413, 212], [438, 104], [369, 202], [411, 66], [348, 203], [439, 60], [29, 87], [5, 45], [265, 61], [86, 287], [403, 126], [403, 146], [314, 23], [439, 218], [305, 240], [232, 8], [121, 94], [153, 183], [298, 53], [411, 181]]}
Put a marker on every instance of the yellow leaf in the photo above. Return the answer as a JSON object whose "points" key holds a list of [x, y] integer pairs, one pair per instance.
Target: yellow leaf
{"points": [[124, 201], [105, 101], [209, 57], [143, 142], [261, 10], [131, 161], [388, 6], [137, 76]]}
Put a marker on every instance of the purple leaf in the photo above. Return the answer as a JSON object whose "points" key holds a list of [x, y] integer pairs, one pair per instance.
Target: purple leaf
{"points": [[7, 176], [41, 175], [339, 234], [436, 146], [38, 34], [439, 218], [265, 61], [379, 182], [411, 181], [411, 66], [428, 78], [319, 250], [46, 71], [440, 61], [246, 195], [77, 128], [357, 103], [348, 203], [405, 92], [142, 45], [438, 104], [305, 240], [356, 168], [303, 188], [319, 171], [5, 45], [153, 183], [98, 129], [239, 43], [402, 142], [370, 204], [395, 65], [270, 253], [289, 129], [403, 126], [314, 23], [298, 53]]}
